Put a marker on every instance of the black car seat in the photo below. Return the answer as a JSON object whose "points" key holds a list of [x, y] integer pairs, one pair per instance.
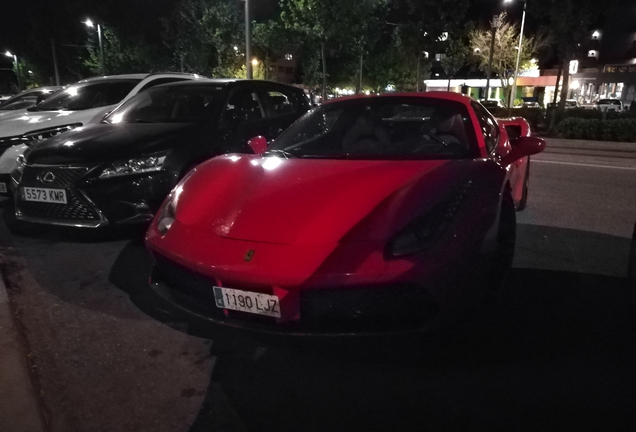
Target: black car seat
{"points": [[366, 135]]}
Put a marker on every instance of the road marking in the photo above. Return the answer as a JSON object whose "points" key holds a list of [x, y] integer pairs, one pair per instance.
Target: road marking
{"points": [[585, 165]]}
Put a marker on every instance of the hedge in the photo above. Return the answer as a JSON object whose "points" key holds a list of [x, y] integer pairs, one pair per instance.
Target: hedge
{"points": [[539, 118], [623, 130]]}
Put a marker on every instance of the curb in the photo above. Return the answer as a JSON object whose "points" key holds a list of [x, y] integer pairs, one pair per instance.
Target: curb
{"points": [[20, 409], [626, 147]]}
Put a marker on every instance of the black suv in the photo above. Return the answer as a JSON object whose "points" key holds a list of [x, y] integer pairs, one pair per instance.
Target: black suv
{"points": [[120, 170]]}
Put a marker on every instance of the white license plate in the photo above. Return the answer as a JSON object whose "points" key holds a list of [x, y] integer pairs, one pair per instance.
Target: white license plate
{"points": [[3, 187], [55, 196], [245, 301]]}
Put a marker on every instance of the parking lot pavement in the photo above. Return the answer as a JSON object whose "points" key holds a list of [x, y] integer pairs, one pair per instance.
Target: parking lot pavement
{"points": [[20, 407], [100, 363]]}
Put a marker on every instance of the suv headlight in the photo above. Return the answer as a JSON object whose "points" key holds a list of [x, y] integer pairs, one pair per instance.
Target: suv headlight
{"points": [[134, 166]]}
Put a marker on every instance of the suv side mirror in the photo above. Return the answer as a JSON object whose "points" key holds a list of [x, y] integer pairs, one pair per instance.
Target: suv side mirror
{"points": [[523, 146], [258, 144]]}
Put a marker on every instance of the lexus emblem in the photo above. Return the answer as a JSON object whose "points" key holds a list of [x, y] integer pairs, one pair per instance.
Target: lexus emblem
{"points": [[248, 255], [46, 177]]}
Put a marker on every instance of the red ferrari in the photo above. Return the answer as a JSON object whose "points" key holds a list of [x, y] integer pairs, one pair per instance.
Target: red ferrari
{"points": [[369, 214]]}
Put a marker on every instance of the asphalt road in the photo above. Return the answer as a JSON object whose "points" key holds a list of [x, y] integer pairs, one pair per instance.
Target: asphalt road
{"points": [[555, 351]]}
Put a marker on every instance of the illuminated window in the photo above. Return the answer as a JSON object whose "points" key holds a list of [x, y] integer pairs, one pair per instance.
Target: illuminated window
{"points": [[289, 57], [439, 56]]}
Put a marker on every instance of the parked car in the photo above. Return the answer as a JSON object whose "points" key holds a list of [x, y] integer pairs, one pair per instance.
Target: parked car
{"points": [[378, 213], [121, 170], [571, 103], [609, 105], [530, 104], [77, 105], [27, 98], [492, 104]]}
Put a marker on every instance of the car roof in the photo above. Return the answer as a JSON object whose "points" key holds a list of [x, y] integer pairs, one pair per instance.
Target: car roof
{"points": [[113, 78], [222, 82]]}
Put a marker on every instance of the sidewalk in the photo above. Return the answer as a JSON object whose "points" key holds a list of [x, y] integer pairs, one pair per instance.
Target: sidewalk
{"points": [[20, 409], [590, 145]]}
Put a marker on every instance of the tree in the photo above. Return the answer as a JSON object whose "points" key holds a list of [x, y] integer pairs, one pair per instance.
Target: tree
{"points": [[454, 58], [505, 49], [422, 28], [123, 55], [202, 35], [330, 25], [567, 24]]}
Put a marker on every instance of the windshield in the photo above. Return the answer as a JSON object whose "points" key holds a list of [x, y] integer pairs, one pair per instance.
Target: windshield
{"points": [[174, 104], [25, 100], [381, 128], [89, 95]]}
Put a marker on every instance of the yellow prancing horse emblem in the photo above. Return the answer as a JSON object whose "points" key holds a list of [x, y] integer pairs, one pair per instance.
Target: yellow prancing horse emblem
{"points": [[248, 255]]}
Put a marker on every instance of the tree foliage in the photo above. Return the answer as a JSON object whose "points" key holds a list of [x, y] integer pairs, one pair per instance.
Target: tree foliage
{"points": [[504, 55], [202, 34], [122, 55]]}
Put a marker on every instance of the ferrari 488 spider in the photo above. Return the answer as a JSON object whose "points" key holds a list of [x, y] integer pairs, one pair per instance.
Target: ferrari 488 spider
{"points": [[369, 214]]}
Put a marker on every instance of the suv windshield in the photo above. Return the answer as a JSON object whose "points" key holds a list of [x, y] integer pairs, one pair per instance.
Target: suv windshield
{"points": [[381, 128], [89, 95], [175, 104]]}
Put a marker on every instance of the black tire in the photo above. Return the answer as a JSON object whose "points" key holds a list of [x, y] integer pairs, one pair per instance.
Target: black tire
{"points": [[526, 184]]}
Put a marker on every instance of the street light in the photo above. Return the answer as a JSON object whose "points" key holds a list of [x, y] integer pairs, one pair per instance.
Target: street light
{"points": [[17, 68], [89, 24], [514, 84]]}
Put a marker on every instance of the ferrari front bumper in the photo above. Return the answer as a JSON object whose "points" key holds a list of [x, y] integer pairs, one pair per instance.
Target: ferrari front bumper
{"points": [[338, 310]]}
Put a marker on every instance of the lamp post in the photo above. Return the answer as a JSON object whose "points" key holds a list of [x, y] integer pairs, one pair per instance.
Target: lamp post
{"points": [[494, 24], [102, 68], [17, 68], [514, 84]]}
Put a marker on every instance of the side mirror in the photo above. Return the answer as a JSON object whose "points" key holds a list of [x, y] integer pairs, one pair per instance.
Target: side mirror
{"points": [[523, 146], [258, 144]]}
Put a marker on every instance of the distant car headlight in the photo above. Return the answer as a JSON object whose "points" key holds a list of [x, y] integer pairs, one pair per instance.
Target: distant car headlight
{"points": [[422, 233], [134, 166]]}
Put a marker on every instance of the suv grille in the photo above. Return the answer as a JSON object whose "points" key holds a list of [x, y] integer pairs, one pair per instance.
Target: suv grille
{"points": [[63, 176], [78, 207]]}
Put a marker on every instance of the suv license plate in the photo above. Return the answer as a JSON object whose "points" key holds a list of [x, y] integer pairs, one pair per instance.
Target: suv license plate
{"points": [[55, 196]]}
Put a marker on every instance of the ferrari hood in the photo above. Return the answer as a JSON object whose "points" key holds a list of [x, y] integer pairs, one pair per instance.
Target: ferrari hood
{"points": [[298, 201]]}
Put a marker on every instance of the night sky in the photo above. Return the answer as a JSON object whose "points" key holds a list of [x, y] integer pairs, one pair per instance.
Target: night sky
{"points": [[28, 25]]}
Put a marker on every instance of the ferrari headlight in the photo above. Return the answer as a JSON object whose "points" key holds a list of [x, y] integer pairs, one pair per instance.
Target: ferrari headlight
{"points": [[134, 166], [428, 228], [168, 211], [21, 163]]}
